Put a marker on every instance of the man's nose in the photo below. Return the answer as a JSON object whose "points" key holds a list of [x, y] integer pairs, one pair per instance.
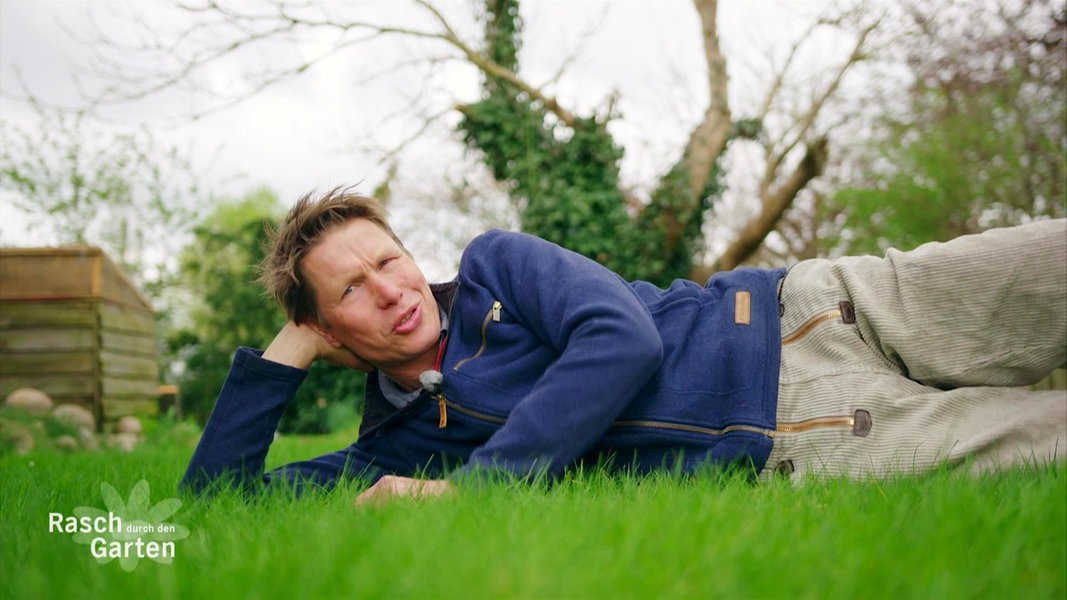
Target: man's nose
{"points": [[386, 290]]}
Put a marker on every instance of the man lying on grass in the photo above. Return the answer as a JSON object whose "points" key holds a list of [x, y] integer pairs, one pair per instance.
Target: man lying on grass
{"points": [[535, 358]]}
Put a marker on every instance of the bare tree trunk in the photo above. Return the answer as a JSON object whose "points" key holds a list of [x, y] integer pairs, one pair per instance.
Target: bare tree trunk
{"points": [[708, 140], [706, 143]]}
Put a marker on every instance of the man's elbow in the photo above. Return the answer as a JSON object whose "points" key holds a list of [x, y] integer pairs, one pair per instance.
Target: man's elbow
{"points": [[648, 353]]}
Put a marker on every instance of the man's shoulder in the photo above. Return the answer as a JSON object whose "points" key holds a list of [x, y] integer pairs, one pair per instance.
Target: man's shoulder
{"points": [[498, 255], [498, 244], [499, 236]]}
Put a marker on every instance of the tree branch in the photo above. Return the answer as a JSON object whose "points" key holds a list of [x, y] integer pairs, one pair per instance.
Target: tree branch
{"points": [[751, 236], [255, 27], [776, 194]]}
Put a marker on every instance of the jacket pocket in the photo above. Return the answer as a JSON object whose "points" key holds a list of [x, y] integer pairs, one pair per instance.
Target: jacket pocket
{"points": [[444, 404], [859, 422]]}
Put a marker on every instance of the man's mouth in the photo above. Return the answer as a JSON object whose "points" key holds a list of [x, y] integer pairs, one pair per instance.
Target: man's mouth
{"points": [[408, 321]]}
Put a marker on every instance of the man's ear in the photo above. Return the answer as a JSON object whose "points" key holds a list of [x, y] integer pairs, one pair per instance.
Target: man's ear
{"points": [[326, 335]]}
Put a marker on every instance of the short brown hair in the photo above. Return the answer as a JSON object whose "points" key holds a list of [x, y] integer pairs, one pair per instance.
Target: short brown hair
{"points": [[281, 271]]}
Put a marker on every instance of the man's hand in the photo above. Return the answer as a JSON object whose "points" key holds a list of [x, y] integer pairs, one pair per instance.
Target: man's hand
{"points": [[298, 346], [391, 486]]}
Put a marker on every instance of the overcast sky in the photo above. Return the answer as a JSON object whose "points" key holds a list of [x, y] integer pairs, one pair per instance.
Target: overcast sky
{"points": [[306, 133]]}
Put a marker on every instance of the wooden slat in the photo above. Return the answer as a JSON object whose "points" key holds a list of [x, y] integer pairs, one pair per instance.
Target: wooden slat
{"points": [[48, 272], [127, 343], [129, 366], [46, 363], [115, 387], [55, 386], [66, 273], [72, 313], [51, 340], [125, 319]]}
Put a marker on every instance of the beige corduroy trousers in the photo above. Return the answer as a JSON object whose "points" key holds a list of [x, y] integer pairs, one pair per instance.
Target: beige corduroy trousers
{"points": [[910, 362]]}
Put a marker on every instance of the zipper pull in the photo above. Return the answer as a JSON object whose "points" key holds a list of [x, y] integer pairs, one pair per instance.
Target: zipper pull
{"points": [[496, 311], [442, 412]]}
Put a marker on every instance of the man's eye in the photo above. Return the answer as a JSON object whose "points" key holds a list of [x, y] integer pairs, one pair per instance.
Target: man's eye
{"points": [[348, 290], [386, 261]]}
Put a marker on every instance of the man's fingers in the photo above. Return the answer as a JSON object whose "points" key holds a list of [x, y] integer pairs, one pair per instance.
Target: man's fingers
{"points": [[391, 486], [382, 490]]}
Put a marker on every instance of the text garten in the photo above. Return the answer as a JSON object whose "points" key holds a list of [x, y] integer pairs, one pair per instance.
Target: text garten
{"points": [[101, 548]]}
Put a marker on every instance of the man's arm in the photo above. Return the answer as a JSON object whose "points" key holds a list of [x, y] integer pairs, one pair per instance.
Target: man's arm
{"points": [[253, 398], [298, 346], [607, 343]]}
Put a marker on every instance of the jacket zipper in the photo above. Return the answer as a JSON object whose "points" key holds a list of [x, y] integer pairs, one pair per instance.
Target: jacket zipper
{"points": [[494, 316], [443, 404], [816, 423], [844, 312], [694, 428], [797, 427], [810, 324]]}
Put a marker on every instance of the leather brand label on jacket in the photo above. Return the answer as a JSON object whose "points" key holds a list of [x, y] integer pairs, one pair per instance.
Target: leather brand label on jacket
{"points": [[742, 308]]}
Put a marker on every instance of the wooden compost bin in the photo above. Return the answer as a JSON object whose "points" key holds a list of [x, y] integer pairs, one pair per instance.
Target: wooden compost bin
{"points": [[74, 326]]}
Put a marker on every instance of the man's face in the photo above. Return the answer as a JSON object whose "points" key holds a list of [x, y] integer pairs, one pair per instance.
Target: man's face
{"points": [[373, 298]]}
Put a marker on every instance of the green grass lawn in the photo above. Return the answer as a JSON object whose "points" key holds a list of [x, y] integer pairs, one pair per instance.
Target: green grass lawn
{"points": [[938, 536]]}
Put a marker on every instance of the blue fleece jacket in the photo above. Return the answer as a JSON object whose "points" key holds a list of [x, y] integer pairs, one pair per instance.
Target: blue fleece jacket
{"points": [[550, 359]]}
